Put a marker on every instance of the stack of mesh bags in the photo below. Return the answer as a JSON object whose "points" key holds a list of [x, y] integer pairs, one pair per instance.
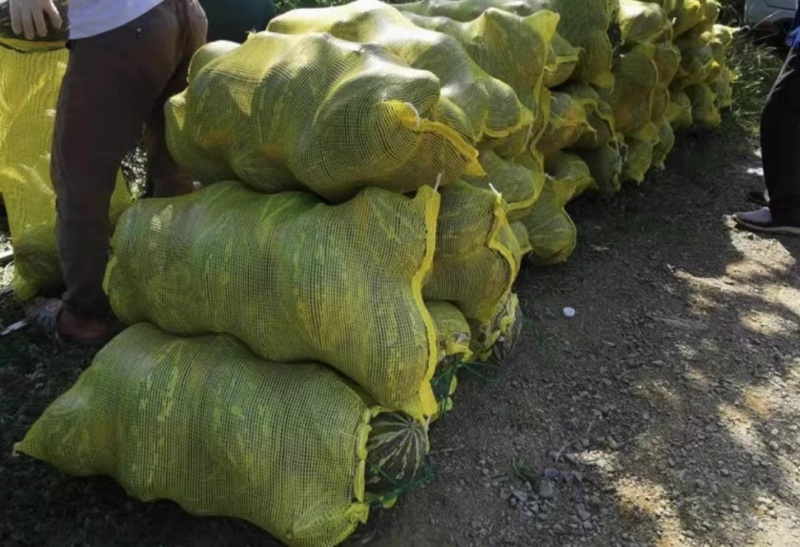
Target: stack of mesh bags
{"points": [[29, 86], [579, 54], [702, 86], [299, 321]]}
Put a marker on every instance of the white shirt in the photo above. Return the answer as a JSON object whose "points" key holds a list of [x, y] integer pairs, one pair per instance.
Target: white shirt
{"points": [[92, 17]]}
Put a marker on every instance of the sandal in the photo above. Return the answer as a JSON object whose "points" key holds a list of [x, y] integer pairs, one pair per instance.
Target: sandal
{"points": [[44, 316]]}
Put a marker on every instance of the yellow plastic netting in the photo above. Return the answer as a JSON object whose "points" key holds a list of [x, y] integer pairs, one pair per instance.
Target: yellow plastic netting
{"points": [[568, 123], [605, 165], [666, 141], [519, 185], [638, 158], [687, 14], [522, 237], [584, 23], [489, 39], [477, 254], [636, 77], [293, 278], [570, 176], [599, 116], [667, 58], [29, 86], [551, 232], [562, 58], [203, 422], [704, 105], [491, 105], [453, 339], [643, 22], [284, 112], [679, 111]]}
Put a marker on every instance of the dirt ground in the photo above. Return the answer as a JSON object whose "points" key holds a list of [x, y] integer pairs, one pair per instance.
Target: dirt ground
{"points": [[664, 413]]}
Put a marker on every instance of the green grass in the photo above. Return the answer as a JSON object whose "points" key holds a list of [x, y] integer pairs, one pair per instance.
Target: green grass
{"points": [[756, 67]]}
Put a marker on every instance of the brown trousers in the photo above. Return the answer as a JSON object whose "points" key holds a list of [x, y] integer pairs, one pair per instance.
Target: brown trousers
{"points": [[115, 83]]}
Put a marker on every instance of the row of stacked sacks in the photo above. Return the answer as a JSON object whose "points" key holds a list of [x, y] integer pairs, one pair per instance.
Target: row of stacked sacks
{"points": [[373, 177], [298, 323], [621, 76]]}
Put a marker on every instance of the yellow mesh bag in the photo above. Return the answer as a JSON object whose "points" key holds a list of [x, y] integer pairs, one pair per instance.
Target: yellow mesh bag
{"points": [[562, 58], [522, 237], [687, 15], [679, 111], [205, 423], [605, 165], [668, 5], [667, 59], [585, 24], [551, 232], [704, 105], [570, 176], [314, 112], [491, 105], [638, 158], [477, 254], [567, 124], [721, 87], [29, 86], [226, 259], [519, 185], [697, 66], [489, 39], [453, 339], [665, 144], [636, 77], [599, 116], [642, 22]]}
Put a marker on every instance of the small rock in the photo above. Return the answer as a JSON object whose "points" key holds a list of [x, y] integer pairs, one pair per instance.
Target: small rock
{"points": [[595, 501], [512, 501], [724, 472], [700, 484], [774, 445], [646, 416], [775, 431], [587, 525], [558, 529], [546, 489], [504, 494], [521, 495]]}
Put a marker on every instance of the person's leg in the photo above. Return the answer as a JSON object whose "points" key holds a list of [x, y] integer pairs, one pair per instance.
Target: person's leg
{"points": [[164, 177], [780, 143], [780, 153], [111, 84]]}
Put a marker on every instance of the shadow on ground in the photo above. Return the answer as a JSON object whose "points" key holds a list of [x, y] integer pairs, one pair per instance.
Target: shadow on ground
{"points": [[662, 414]]}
